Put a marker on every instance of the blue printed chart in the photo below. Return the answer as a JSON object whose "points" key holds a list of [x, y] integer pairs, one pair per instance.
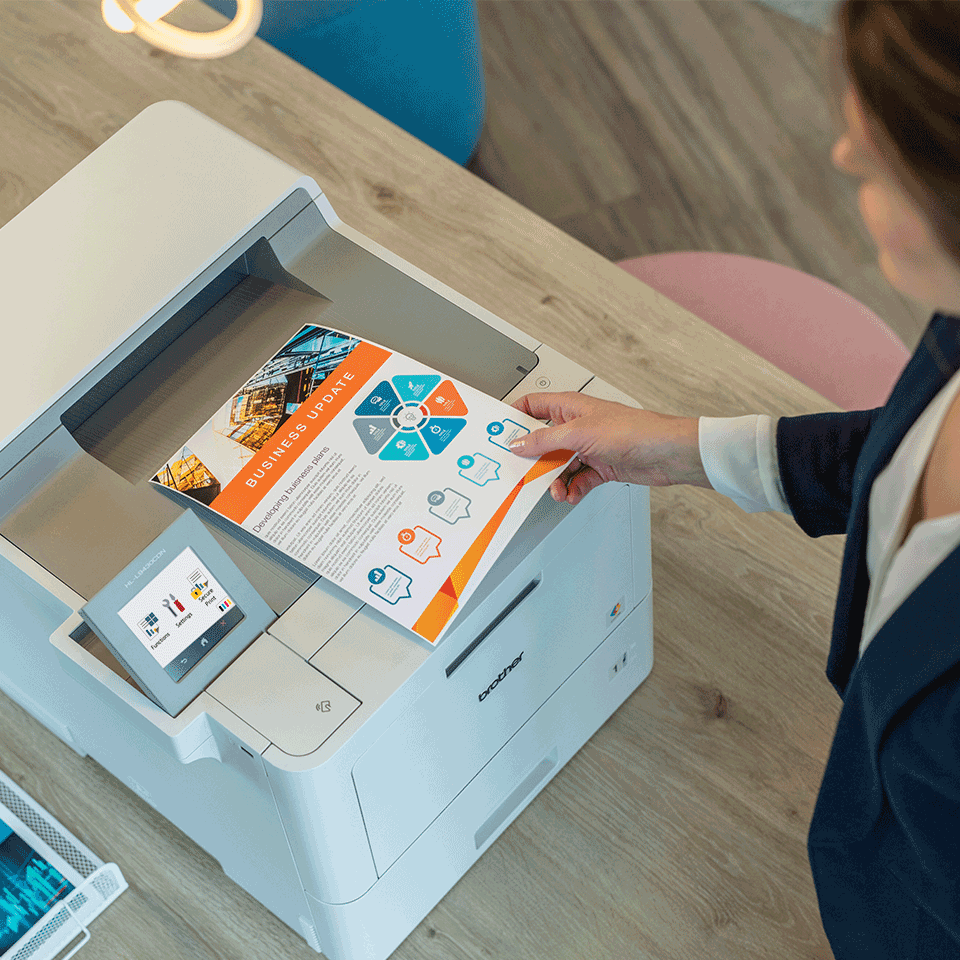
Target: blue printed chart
{"points": [[29, 886], [410, 417]]}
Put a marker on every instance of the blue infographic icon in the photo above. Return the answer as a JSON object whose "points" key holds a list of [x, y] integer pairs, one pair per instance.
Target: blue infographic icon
{"points": [[503, 432], [390, 584], [478, 468]]}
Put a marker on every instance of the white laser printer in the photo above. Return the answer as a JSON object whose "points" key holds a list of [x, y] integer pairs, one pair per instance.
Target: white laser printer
{"points": [[142, 288]]}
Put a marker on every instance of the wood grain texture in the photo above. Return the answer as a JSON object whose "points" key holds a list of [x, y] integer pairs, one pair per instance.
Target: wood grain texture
{"points": [[650, 127], [679, 830]]}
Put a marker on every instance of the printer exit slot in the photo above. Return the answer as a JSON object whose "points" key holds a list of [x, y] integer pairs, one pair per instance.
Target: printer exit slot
{"points": [[134, 429], [493, 624]]}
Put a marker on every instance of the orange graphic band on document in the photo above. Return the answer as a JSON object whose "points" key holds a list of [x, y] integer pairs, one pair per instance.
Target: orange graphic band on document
{"points": [[444, 604], [266, 468]]}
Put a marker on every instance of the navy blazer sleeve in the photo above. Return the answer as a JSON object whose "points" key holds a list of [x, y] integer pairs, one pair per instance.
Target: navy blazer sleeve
{"points": [[817, 455]]}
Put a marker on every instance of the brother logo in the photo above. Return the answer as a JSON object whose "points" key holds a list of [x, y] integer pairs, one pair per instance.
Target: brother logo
{"points": [[502, 676]]}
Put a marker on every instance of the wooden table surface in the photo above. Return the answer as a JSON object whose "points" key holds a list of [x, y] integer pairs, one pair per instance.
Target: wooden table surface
{"points": [[679, 830]]}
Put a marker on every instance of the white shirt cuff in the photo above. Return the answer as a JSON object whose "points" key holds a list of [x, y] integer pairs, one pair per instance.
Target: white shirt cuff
{"points": [[739, 456]]}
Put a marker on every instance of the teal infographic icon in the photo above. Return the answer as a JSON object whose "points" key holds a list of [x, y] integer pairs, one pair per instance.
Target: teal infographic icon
{"points": [[410, 417]]}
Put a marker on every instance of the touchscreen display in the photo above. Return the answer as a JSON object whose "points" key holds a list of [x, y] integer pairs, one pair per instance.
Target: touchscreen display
{"points": [[181, 615], [29, 886]]}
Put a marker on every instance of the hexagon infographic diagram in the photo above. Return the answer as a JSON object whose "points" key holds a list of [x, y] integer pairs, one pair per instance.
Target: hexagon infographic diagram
{"points": [[410, 417]]}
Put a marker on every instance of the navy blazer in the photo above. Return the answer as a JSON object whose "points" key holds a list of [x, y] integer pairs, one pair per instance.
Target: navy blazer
{"points": [[884, 841]]}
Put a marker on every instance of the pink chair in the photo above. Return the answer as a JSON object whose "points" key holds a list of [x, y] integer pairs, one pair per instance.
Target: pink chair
{"points": [[805, 326]]}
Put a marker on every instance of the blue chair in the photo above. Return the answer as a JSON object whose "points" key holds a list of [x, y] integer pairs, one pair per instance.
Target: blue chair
{"points": [[416, 62]]}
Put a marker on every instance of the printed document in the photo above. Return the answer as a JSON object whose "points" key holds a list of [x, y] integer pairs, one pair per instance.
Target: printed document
{"points": [[384, 476]]}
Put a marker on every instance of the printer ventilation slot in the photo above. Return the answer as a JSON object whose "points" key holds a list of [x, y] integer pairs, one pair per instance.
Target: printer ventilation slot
{"points": [[490, 627]]}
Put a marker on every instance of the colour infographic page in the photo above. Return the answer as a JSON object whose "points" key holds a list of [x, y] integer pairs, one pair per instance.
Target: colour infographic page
{"points": [[390, 479]]}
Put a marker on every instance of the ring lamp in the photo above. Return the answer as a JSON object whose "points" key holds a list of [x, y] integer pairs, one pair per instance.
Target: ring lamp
{"points": [[145, 19]]}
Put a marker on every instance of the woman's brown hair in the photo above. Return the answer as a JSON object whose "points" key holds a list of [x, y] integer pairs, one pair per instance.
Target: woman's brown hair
{"points": [[903, 60]]}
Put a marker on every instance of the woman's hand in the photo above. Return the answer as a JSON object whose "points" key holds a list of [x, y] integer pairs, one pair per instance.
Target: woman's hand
{"points": [[613, 442]]}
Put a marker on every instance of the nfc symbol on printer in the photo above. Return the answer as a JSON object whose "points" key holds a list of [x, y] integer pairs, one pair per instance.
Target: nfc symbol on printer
{"points": [[323, 706]]}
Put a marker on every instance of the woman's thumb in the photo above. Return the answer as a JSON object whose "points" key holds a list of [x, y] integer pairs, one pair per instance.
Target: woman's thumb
{"points": [[544, 440]]}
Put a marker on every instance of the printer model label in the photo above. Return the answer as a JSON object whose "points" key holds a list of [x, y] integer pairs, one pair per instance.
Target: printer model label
{"points": [[181, 614], [389, 478]]}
